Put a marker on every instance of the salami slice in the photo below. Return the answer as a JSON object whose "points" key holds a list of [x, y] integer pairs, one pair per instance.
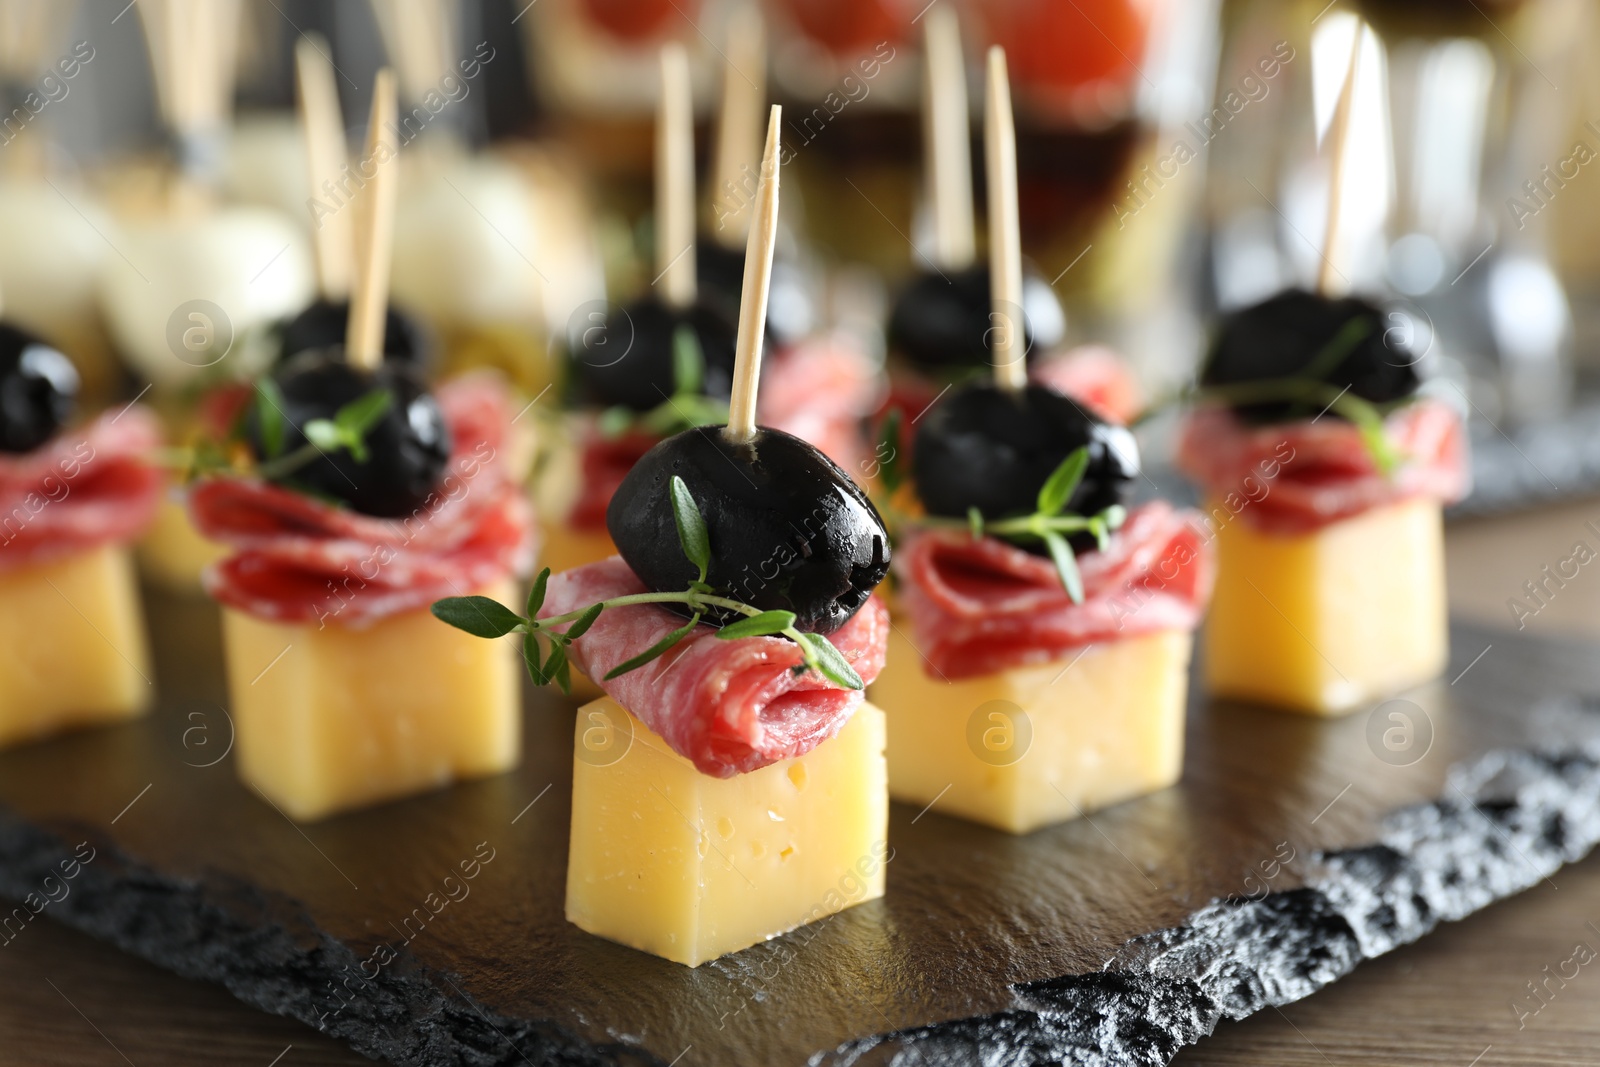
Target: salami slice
{"points": [[1297, 477], [727, 706], [81, 490], [980, 605], [297, 559]]}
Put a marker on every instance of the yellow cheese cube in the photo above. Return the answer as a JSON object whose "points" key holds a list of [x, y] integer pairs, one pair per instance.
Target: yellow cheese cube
{"points": [[72, 644], [690, 867], [338, 718], [561, 547], [1323, 622], [172, 553], [1032, 746]]}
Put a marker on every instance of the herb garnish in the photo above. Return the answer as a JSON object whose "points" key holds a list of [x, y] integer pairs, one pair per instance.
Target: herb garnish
{"points": [[347, 431], [544, 648], [685, 409]]}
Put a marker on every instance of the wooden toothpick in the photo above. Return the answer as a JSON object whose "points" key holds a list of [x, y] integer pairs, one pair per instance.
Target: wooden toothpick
{"points": [[947, 151], [374, 230], [675, 266], [757, 280], [322, 125], [1330, 282], [744, 80], [1005, 231]]}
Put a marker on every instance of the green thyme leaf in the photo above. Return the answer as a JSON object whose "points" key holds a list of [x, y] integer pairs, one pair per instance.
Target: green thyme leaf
{"points": [[975, 522], [536, 594], [1063, 482], [564, 675], [654, 650], [1066, 565], [763, 625], [688, 363], [477, 615], [614, 422], [581, 624], [692, 533], [555, 667], [825, 656], [325, 434], [888, 452], [269, 415], [530, 656]]}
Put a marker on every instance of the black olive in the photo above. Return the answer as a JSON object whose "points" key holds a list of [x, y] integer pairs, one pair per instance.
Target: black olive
{"points": [[789, 530], [38, 390], [1283, 338], [993, 449], [323, 324], [943, 320], [790, 310], [628, 360], [407, 450]]}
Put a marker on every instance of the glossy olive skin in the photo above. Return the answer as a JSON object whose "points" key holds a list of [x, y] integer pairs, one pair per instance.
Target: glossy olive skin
{"points": [[789, 530], [323, 325], [942, 322], [407, 450], [628, 360], [38, 390], [791, 312], [1282, 337], [989, 448]]}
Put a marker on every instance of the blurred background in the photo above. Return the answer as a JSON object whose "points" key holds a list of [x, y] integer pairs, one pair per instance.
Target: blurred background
{"points": [[1168, 152]]}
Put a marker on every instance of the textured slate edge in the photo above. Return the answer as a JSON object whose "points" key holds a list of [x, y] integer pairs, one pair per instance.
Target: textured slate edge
{"points": [[1506, 820], [266, 951]]}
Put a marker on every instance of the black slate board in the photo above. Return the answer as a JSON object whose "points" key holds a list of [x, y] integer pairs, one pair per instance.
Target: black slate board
{"points": [[1111, 940]]}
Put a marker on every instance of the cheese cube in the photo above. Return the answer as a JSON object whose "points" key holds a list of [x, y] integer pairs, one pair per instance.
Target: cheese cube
{"points": [[72, 644], [690, 867], [562, 547], [1323, 622], [1031, 746], [338, 718], [172, 553]]}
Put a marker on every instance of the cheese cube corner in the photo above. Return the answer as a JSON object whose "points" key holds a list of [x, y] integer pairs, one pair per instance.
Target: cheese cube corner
{"points": [[172, 553], [1326, 621], [342, 717], [72, 645], [1027, 747], [690, 867]]}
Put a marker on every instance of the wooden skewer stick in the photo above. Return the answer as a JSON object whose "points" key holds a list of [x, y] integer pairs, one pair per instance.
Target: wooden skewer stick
{"points": [[947, 151], [675, 266], [374, 230], [322, 125], [744, 80], [1005, 231], [757, 281], [1330, 282]]}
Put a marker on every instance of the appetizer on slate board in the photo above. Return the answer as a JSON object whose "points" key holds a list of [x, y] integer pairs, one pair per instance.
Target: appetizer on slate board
{"points": [[72, 643], [363, 498], [1326, 474], [1041, 666], [733, 701]]}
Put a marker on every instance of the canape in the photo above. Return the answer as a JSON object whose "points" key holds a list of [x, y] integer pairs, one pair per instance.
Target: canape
{"points": [[1040, 664], [1325, 472], [361, 498], [72, 641], [747, 796]]}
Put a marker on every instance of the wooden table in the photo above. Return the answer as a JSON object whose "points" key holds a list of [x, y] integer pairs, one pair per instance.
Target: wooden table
{"points": [[1459, 997]]}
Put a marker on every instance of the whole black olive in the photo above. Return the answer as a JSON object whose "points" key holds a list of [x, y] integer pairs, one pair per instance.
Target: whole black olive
{"points": [[406, 451], [628, 360], [993, 449], [323, 324], [38, 390], [789, 530], [1289, 336], [943, 321], [791, 312]]}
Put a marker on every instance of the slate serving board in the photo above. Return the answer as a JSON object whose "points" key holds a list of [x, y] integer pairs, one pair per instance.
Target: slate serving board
{"points": [[1293, 849]]}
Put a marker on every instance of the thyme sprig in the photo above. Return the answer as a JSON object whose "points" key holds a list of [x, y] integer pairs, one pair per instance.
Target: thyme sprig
{"points": [[687, 407], [347, 431], [545, 644]]}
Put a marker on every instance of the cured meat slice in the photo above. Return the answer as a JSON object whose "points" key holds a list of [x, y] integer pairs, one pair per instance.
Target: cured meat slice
{"points": [[727, 706], [980, 605], [298, 559], [1299, 476], [81, 490]]}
